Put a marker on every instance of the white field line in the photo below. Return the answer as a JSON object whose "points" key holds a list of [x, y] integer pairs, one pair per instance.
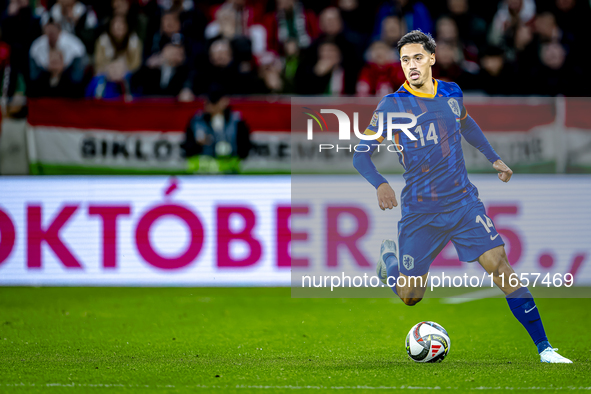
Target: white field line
{"points": [[288, 387], [473, 296]]}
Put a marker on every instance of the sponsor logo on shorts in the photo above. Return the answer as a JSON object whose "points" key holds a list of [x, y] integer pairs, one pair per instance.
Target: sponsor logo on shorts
{"points": [[408, 261], [493, 238]]}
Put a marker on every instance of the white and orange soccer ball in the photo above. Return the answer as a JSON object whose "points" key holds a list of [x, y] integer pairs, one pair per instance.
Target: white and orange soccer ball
{"points": [[427, 342]]}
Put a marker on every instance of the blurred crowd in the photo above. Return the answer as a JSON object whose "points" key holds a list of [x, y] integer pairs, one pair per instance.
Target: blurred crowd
{"points": [[121, 49]]}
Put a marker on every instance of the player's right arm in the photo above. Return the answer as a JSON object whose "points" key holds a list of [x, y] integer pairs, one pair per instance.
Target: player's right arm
{"points": [[363, 164]]}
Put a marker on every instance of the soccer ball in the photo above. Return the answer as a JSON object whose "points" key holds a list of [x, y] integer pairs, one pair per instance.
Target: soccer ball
{"points": [[427, 342]]}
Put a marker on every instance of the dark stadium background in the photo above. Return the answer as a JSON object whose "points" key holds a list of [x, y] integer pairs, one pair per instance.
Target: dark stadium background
{"points": [[134, 255], [517, 47]]}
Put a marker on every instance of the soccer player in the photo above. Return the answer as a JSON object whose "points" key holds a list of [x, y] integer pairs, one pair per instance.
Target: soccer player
{"points": [[439, 203]]}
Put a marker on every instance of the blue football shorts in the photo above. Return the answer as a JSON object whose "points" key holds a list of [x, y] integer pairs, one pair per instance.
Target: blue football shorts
{"points": [[422, 236]]}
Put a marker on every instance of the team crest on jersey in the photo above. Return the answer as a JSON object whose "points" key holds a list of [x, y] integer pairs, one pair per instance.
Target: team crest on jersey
{"points": [[455, 107], [408, 262], [374, 119]]}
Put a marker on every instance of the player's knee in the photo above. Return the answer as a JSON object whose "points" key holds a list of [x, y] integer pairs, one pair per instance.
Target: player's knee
{"points": [[411, 301]]}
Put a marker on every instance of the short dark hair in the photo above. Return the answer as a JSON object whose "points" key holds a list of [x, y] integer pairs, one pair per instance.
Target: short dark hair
{"points": [[418, 37]]}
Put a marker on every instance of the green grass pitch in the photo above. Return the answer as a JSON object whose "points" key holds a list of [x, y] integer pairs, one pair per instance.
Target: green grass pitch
{"points": [[259, 339]]}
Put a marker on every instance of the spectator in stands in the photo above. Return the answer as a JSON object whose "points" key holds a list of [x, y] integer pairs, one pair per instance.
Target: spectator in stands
{"points": [[291, 62], [250, 12], [102, 8], [546, 28], [56, 81], [510, 15], [12, 83], [290, 20], [38, 6], [217, 131], [167, 74], [120, 8], [225, 27], [355, 15], [382, 74], [192, 19], [170, 25], [179, 16], [529, 40], [72, 49], [331, 29], [136, 21], [552, 71], [150, 11], [270, 69], [176, 5], [75, 18], [193, 24], [20, 27], [326, 76], [496, 75], [302, 58], [448, 65], [117, 42], [572, 16], [471, 28], [393, 28], [447, 31], [524, 36], [236, 19], [222, 70], [414, 13], [524, 56], [114, 83]]}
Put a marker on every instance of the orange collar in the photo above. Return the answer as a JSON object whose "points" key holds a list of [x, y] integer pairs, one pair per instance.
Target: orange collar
{"points": [[420, 94]]}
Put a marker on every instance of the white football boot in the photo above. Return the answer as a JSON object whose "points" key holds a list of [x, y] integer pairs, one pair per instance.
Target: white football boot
{"points": [[388, 246], [549, 355]]}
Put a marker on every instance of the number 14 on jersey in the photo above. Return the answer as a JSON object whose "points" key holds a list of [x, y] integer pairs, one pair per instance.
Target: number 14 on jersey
{"points": [[431, 134]]}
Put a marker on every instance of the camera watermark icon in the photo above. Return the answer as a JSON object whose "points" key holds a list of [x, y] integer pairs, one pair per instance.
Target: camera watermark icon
{"points": [[345, 128]]}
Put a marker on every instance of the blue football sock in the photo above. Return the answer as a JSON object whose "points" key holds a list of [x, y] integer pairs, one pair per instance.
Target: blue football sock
{"points": [[392, 269], [524, 308]]}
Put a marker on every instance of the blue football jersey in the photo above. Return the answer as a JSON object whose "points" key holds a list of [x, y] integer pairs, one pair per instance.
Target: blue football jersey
{"points": [[435, 172]]}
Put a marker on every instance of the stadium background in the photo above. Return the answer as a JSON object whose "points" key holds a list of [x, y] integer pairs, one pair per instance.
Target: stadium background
{"points": [[263, 53], [162, 278], [516, 61]]}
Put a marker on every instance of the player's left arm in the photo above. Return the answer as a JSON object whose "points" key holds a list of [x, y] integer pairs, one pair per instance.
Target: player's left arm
{"points": [[475, 137]]}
